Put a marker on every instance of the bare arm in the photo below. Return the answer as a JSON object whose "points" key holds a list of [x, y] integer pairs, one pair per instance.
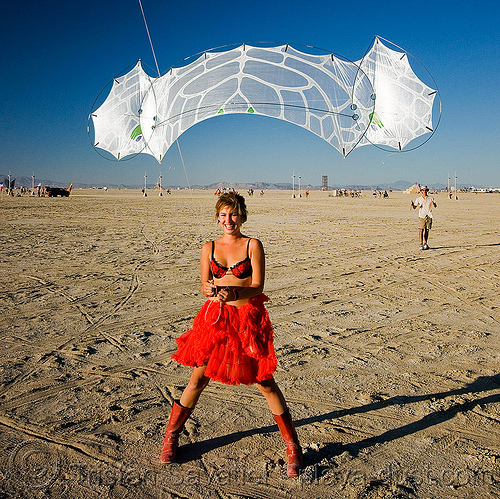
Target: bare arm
{"points": [[207, 284]]}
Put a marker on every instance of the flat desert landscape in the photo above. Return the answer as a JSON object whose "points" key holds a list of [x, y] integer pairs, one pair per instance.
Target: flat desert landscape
{"points": [[388, 355]]}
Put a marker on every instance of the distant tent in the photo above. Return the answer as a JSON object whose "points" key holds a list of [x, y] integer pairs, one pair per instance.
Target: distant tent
{"points": [[414, 189]]}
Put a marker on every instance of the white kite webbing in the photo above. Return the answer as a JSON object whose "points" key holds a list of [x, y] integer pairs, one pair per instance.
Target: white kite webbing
{"points": [[376, 100]]}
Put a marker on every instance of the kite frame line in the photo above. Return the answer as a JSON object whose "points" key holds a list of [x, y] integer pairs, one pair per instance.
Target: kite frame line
{"points": [[436, 91]]}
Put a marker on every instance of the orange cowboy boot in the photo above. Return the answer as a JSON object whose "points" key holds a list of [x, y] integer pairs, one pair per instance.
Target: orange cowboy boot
{"points": [[178, 417], [293, 449]]}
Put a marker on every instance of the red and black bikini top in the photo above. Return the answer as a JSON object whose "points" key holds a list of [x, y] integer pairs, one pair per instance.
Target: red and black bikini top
{"points": [[241, 270]]}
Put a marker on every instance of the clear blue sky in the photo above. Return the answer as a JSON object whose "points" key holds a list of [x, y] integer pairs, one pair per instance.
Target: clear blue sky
{"points": [[57, 57]]}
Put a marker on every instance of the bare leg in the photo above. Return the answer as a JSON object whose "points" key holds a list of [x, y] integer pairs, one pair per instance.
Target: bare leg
{"points": [[421, 236], [273, 396], [197, 383], [426, 235]]}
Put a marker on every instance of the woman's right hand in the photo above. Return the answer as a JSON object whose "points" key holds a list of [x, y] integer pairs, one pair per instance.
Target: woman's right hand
{"points": [[209, 289]]}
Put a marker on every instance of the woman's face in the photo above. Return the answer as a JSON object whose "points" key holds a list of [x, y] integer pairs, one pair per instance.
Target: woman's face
{"points": [[229, 219]]}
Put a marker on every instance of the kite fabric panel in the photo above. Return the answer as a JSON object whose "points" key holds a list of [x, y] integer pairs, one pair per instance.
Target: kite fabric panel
{"points": [[403, 109], [117, 124], [377, 100]]}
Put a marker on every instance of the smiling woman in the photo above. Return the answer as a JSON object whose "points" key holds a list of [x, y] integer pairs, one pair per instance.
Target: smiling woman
{"points": [[231, 340]]}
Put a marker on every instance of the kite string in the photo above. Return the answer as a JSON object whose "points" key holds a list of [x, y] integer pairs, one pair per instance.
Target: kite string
{"points": [[159, 74], [149, 36], [183, 165]]}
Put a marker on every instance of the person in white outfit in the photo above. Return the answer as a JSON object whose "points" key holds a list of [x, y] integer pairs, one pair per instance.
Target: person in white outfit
{"points": [[424, 203]]}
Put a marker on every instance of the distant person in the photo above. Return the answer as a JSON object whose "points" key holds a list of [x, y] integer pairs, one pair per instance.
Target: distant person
{"points": [[231, 340], [424, 203]]}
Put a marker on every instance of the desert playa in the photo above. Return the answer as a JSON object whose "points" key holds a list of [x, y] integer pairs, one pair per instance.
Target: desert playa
{"points": [[388, 355]]}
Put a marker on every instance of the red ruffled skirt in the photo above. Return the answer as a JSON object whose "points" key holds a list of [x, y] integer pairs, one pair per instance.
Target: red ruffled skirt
{"points": [[235, 343]]}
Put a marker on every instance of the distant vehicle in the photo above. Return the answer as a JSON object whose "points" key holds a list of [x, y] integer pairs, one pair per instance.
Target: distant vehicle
{"points": [[53, 192]]}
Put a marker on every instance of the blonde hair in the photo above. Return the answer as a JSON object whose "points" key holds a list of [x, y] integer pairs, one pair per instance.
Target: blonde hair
{"points": [[234, 201]]}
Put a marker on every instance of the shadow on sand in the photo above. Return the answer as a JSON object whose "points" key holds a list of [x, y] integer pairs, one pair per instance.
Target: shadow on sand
{"points": [[195, 450], [462, 246]]}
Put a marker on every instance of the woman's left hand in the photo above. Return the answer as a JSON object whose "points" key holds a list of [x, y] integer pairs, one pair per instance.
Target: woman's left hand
{"points": [[226, 294]]}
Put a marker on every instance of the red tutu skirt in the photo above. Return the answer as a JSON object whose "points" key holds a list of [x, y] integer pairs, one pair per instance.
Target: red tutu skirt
{"points": [[235, 343]]}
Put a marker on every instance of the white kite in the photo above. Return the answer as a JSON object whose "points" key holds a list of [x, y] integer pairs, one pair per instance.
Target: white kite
{"points": [[378, 100]]}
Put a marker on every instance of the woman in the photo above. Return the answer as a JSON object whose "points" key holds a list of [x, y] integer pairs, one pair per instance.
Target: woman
{"points": [[232, 338]]}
